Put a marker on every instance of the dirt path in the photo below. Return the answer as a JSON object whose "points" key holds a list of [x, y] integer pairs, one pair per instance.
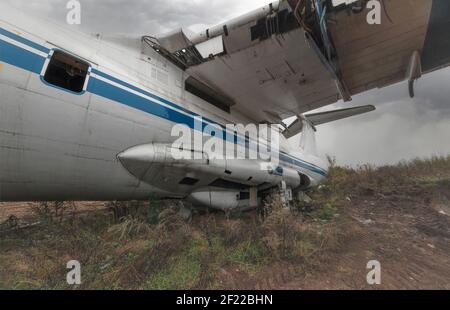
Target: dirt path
{"points": [[408, 234]]}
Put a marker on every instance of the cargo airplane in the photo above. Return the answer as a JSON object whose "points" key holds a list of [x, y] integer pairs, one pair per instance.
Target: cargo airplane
{"points": [[91, 117]]}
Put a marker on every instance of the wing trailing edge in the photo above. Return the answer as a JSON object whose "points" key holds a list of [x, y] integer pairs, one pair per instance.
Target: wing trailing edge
{"points": [[321, 118]]}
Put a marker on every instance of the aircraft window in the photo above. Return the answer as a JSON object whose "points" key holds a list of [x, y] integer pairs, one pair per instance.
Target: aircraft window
{"points": [[67, 72]]}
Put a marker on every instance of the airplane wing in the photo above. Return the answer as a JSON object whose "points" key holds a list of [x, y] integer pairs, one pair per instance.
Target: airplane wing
{"points": [[295, 56], [321, 118], [330, 116]]}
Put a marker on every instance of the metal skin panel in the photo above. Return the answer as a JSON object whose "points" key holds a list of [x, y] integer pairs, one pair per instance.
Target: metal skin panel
{"points": [[48, 151], [436, 51], [281, 75], [56, 145], [372, 56]]}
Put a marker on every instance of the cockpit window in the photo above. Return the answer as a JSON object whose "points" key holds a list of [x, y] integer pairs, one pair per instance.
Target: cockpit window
{"points": [[67, 72]]}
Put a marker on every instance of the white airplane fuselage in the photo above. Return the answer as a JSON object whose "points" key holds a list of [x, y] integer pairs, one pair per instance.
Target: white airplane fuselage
{"points": [[56, 145]]}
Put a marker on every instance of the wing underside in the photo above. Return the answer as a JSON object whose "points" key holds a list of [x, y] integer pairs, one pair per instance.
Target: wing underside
{"points": [[295, 56]]}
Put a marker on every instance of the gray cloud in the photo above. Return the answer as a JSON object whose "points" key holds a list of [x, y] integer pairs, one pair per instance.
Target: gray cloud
{"points": [[400, 129], [142, 16]]}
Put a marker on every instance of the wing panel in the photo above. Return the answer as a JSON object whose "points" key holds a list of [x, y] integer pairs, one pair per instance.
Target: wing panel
{"points": [[282, 75], [372, 56]]}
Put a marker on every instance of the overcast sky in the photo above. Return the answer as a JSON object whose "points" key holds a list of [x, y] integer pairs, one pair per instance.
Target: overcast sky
{"points": [[400, 129]]}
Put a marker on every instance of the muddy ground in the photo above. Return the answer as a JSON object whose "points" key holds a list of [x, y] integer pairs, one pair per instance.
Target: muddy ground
{"points": [[404, 225], [408, 233], [410, 237]]}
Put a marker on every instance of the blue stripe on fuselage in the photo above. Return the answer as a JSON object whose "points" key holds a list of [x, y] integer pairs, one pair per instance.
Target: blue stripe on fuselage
{"points": [[21, 58], [22, 40], [113, 93], [123, 83], [29, 61]]}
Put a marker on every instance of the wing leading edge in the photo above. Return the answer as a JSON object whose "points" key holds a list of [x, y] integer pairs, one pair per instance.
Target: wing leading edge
{"points": [[317, 119]]}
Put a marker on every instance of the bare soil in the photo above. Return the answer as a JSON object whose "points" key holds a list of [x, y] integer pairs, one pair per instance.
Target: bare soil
{"points": [[409, 237], [404, 225], [399, 216], [406, 228]]}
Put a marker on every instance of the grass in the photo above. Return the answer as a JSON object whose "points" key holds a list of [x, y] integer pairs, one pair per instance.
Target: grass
{"points": [[136, 255], [146, 245]]}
